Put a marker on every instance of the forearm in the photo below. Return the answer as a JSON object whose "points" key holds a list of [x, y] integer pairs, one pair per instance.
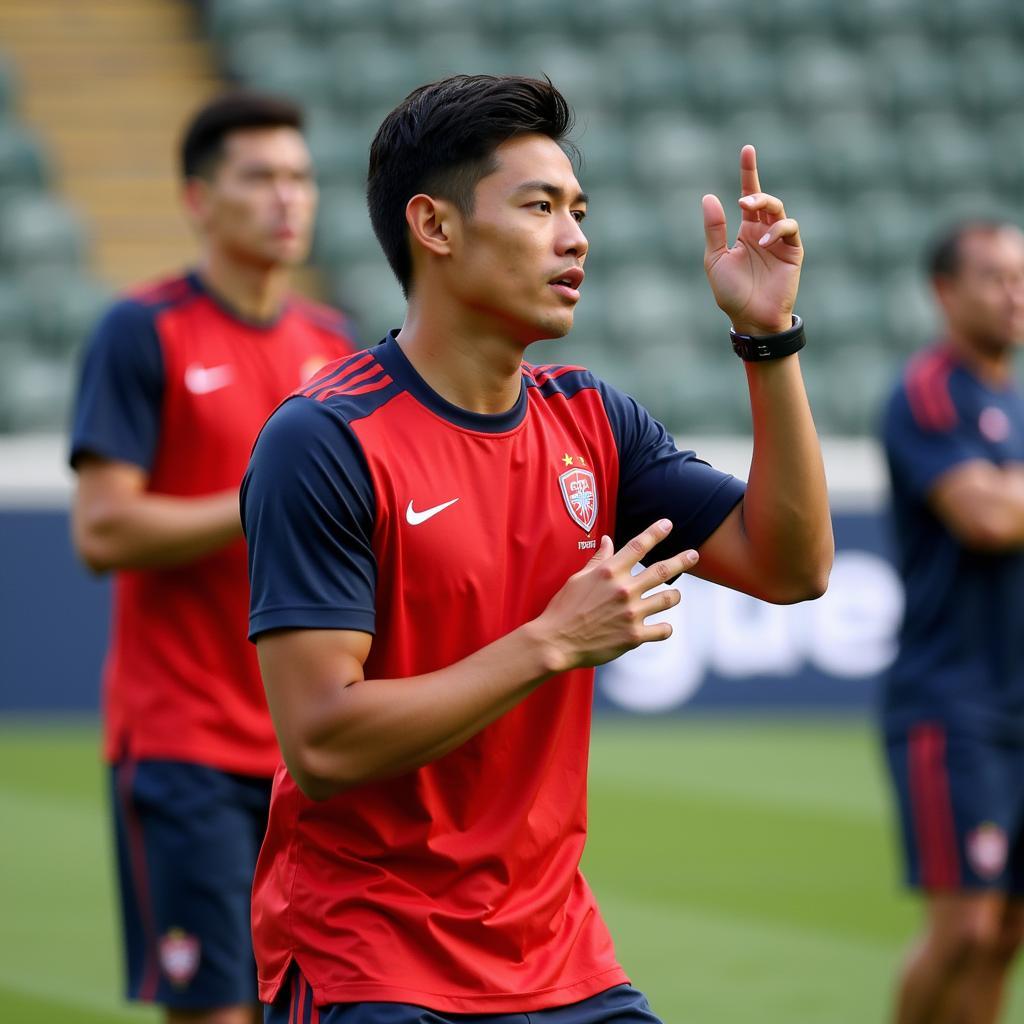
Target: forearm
{"points": [[785, 510], [154, 530], [378, 728], [996, 513]]}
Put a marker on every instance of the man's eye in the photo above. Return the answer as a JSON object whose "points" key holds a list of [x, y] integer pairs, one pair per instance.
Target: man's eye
{"points": [[544, 206], [580, 215]]}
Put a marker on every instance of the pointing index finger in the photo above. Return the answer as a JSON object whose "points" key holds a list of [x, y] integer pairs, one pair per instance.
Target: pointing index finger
{"points": [[642, 544], [749, 183]]}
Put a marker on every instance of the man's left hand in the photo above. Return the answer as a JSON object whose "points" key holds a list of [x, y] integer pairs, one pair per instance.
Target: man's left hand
{"points": [[755, 282]]}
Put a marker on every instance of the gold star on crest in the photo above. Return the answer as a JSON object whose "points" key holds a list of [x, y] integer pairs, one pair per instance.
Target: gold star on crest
{"points": [[567, 459]]}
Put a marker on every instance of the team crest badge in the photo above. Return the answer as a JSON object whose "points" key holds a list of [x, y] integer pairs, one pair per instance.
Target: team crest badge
{"points": [[179, 956], [580, 493], [987, 848], [994, 424]]}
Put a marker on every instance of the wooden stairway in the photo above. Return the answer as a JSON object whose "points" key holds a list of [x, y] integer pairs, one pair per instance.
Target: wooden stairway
{"points": [[107, 85]]}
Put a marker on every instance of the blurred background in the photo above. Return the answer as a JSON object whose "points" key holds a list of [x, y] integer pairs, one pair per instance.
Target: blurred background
{"points": [[741, 841]]}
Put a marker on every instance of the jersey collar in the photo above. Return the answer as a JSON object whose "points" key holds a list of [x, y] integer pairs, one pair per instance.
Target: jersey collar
{"points": [[395, 361]]}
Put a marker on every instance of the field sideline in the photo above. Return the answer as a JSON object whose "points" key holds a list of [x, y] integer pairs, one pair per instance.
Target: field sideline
{"points": [[747, 871]]}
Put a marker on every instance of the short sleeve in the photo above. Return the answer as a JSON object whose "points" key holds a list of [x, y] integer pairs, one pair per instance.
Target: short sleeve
{"points": [[658, 480], [120, 389], [308, 510], [920, 452]]}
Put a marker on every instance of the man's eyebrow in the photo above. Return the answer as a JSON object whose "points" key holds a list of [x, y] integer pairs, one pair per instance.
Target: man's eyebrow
{"points": [[555, 191]]}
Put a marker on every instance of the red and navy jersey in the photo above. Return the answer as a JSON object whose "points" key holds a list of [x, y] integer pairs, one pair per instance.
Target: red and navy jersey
{"points": [[178, 385], [961, 647], [373, 504]]}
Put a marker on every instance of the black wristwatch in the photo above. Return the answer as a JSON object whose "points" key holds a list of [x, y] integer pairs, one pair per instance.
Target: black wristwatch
{"points": [[760, 348]]}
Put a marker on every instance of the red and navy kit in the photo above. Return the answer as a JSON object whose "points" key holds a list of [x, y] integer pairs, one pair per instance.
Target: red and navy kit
{"points": [[953, 704], [961, 650], [373, 504], [178, 385]]}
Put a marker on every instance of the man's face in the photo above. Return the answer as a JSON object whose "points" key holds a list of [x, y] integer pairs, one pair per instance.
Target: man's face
{"points": [[518, 259], [259, 204], [984, 301]]}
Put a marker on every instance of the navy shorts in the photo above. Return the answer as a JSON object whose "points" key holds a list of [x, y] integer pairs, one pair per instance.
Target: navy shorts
{"points": [[961, 807], [620, 1005], [187, 839]]}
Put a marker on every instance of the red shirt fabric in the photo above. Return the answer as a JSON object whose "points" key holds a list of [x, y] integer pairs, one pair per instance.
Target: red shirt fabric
{"points": [[177, 384], [372, 504]]}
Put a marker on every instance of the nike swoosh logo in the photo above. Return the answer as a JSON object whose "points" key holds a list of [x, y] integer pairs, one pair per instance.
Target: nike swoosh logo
{"points": [[414, 518], [201, 380]]}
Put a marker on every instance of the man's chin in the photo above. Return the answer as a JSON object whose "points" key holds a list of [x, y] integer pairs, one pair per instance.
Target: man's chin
{"points": [[554, 328]]}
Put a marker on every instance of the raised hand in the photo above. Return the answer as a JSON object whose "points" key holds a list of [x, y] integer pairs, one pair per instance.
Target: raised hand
{"points": [[599, 613], [755, 282]]}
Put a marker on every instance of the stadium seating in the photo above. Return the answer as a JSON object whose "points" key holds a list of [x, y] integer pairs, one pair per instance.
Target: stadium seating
{"points": [[47, 300], [877, 122]]}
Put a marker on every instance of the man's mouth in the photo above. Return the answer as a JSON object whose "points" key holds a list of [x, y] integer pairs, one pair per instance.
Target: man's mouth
{"points": [[567, 284]]}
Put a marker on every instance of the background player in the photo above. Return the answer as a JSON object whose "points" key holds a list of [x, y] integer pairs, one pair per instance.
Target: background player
{"points": [[433, 578], [176, 383], [954, 703]]}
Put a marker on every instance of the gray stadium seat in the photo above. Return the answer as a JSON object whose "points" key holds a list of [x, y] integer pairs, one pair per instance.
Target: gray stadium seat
{"points": [[891, 229], [908, 76], [340, 148], [624, 227], [344, 233], [454, 52], [415, 17], [849, 152], [64, 310], [370, 294], [1006, 151], [227, 18], [831, 78], [278, 62], [991, 80], [942, 154], [321, 19], [35, 391], [22, 164], [674, 151], [689, 22], [38, 233], [370, 70]]}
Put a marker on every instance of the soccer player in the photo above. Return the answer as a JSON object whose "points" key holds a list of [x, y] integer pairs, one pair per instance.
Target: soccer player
{"points": [[954, 701], [176, 383], [433, 576]]}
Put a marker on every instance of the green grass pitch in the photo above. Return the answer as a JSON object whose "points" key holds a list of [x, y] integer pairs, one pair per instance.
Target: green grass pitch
{"points": [[747, 871]]}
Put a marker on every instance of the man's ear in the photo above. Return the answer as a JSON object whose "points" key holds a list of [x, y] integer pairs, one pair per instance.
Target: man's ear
{"points": [[432, 223], [195, 198]]}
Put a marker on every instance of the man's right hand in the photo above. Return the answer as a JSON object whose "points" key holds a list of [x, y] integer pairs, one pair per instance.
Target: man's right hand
{"points": [[601, 610]]}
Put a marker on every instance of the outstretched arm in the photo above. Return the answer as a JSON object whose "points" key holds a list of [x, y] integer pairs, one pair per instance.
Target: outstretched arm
{"points": [[777, 543], [338, 729]]}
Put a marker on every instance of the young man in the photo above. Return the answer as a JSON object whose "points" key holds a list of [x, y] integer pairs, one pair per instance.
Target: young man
{"points": [[954, 704], [176, 383], [433, 579]]}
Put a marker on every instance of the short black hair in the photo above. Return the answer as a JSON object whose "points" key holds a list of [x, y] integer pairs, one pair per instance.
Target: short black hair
{"points": [[203, 141], [944, 258], [441, 140]]}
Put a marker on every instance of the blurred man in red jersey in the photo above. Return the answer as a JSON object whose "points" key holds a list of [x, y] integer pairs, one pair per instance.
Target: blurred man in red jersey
{"points": [[176, 382]]}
